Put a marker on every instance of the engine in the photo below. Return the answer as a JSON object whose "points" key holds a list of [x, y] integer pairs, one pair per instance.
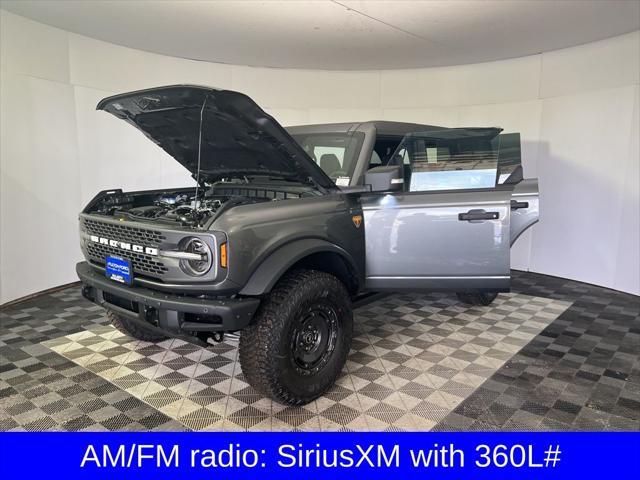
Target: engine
{"points": [[181, 207], [178, 207]]}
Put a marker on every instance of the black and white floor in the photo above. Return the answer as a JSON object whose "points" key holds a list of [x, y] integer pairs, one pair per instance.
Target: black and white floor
{"points": [[552, 355]]}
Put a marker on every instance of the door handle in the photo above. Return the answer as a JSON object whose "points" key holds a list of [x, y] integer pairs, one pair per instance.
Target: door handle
{"points": [[515, 205], [472, 215]]}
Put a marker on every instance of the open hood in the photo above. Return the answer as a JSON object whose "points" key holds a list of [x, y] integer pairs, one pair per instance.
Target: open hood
{"points": [[238, 137]]}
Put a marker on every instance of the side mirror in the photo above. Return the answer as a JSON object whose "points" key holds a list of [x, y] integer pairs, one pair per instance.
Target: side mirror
{"points": [[385, 179]]}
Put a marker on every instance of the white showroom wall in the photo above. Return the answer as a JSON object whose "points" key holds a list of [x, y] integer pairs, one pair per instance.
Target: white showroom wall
{"points": [[577, 110]]}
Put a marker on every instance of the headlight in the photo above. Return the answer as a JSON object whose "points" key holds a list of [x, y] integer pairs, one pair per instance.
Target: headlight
{"points": [[196, 267]]}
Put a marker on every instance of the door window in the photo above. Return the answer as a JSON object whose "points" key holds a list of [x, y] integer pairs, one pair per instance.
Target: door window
{"points": [[451, 159], [509, 158]]}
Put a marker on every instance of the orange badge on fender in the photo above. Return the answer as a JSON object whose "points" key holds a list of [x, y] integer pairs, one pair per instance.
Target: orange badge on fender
{"points": [[357, 220]]}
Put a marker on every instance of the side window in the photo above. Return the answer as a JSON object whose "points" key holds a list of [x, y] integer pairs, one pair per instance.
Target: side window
{"points": [[509, 158], [384, 149], [453, 159]]}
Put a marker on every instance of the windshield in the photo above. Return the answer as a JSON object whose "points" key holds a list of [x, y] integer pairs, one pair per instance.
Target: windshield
{"points": [[335, 153]]}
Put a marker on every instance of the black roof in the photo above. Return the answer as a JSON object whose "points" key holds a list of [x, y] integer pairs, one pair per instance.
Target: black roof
{"points": [[383, 127]]}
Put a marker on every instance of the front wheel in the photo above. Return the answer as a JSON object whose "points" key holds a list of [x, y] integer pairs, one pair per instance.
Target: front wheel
{"points": [[300, 338], [480, 298]]}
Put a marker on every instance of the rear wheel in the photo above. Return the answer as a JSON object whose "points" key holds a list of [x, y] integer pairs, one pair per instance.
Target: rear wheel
{"points": [[299, 341], [479, 298], [133, 329]]}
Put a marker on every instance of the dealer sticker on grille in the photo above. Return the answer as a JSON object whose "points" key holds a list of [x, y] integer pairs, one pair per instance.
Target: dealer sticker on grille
{"points": [[118, 269]]}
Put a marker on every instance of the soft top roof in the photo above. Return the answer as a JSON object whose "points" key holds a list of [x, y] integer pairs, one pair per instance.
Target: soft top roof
{"points": [[383, 127]]}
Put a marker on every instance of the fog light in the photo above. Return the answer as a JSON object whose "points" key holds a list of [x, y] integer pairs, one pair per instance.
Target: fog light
{"points": [[196, 267]]}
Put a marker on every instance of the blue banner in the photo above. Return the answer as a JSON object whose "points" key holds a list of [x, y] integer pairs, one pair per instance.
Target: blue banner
{"points": [[481, 455]]}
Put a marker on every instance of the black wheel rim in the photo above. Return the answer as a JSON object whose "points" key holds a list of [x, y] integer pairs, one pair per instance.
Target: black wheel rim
{"points": [[313, 340]]}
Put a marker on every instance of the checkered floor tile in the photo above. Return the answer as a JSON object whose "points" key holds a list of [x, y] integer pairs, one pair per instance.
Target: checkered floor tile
{"points": [[581, 373], [554, 355], [41, 390], [415, 358]]}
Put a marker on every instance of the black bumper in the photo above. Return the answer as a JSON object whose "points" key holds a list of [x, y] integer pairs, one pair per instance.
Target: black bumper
{"points": [[175, 315]]}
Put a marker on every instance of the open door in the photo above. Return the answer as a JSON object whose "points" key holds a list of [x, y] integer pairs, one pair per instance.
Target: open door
{"points": [[450, 228], [524, 199]]}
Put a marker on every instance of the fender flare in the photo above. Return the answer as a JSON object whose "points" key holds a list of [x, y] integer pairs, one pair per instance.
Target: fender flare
{"points": [[283, 258]]}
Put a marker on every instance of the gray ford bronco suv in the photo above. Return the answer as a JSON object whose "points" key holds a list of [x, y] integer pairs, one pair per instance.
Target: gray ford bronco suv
{"points": [[284, 227]]}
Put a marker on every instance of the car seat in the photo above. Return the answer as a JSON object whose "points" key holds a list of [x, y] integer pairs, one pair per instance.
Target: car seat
{"points": [[330, 163]]}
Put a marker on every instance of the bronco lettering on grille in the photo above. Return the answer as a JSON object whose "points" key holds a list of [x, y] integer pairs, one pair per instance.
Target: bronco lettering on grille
{"points": [[124, 245]]}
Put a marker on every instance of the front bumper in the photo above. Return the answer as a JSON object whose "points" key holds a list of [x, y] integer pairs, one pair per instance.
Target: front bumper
{"points": [[176, 315]]}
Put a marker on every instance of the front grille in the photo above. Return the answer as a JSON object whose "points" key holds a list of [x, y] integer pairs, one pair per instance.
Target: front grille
{"points": [[140, 236], [141, 263]]}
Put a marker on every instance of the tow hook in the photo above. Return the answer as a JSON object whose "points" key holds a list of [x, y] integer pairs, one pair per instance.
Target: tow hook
{"points": [[87, 292], [151, 315]]}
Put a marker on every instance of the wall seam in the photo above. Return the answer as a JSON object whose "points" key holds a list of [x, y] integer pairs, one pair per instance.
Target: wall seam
{"points": [[537, 156]]}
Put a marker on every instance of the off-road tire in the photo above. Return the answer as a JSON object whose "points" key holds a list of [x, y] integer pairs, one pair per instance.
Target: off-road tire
{"points": [[481, 298], [267, 355], [133, 329]]}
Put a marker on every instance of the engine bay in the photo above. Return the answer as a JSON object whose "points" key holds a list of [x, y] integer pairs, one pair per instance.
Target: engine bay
{"points": [[181, 207], [168, 207]]}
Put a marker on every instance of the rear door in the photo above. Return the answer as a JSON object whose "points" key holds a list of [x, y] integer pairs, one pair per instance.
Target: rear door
{"points": [[524, 207], [524, 199], [450, 226]]}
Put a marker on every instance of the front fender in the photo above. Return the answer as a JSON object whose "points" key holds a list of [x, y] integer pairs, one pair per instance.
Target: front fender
{"points": [[282, 259]]}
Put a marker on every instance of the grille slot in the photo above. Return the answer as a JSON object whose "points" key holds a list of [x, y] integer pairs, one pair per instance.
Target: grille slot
{"points": [[140, 262]]}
